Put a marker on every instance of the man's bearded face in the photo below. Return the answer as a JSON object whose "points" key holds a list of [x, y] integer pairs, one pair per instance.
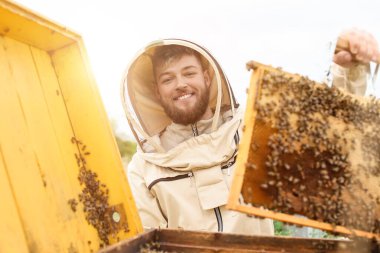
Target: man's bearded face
{"points": [[183, 89]]}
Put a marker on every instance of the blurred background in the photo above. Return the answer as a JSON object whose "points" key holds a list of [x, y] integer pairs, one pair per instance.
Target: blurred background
{"points": [[292, 34]]}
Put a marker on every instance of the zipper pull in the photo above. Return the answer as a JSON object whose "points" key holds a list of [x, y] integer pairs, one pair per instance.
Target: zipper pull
{"points": [[190, 175], [228, 171]]}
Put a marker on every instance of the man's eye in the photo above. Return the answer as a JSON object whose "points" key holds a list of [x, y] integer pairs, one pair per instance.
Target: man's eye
{"points": [[190, 74], [166, 80]]}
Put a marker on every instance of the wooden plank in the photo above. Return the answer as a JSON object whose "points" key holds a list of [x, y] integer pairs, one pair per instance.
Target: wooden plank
{"points": [[195, 241], [26, 177], [301, 221], [244, 144], [23, 25], [12, 238], [38, 167], [133, 244], [37, 131], [91, 126], [61, 164]]}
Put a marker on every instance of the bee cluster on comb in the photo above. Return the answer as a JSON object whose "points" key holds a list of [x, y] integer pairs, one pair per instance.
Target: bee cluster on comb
{"points": [[314, 151]]}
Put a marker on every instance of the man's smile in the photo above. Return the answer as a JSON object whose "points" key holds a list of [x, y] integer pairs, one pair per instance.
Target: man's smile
{"points": [[184, 96]]}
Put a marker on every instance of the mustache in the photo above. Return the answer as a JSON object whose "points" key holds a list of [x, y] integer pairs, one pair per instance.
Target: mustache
{"points": [[183, 91]]}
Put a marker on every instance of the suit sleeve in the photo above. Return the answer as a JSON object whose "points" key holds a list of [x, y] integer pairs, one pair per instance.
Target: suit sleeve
{"points": [[147, 204]]}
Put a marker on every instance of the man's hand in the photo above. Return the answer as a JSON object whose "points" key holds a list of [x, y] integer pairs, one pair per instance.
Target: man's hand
{"points": [[362, 48]]}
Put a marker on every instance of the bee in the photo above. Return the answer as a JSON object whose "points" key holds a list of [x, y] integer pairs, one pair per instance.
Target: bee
{"points": [[296, 180], [254, 146], [250, 166]]}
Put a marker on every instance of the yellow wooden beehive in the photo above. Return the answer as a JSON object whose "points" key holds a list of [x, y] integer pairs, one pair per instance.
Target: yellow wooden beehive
{"points": [[311, 150], [52, 122]]}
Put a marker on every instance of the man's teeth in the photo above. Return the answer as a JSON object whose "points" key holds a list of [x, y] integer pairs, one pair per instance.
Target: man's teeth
{"points": [[184, 96]]}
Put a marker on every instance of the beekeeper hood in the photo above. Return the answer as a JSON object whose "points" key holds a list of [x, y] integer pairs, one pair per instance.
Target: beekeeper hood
{"points": [[144, 112]]}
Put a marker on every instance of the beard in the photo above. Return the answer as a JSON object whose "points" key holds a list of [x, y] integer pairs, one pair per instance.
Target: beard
{"points": [[189, 115]]}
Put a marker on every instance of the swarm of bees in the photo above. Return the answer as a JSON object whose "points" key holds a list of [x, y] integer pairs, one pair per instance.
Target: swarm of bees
{"points": [[320, 151], [153, 247], [94, 197]]}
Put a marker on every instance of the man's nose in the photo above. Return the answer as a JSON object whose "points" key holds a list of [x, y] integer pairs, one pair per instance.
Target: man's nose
{"points": [[181, 82]]}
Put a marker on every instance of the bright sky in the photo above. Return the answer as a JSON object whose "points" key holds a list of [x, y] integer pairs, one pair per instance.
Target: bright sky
{"points": [[292, 34]]}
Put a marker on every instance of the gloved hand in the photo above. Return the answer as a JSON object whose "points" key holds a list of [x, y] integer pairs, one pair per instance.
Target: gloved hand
{"points": [[362, 48]]}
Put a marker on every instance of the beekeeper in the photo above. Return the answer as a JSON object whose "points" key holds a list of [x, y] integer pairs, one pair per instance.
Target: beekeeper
{"points": [[187, 123]]}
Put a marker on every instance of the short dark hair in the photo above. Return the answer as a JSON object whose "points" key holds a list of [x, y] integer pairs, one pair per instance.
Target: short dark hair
{"points": [[167, 53]]}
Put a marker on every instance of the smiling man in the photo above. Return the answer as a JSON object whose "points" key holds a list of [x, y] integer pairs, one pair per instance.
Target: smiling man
{"points": [[188, 125]]}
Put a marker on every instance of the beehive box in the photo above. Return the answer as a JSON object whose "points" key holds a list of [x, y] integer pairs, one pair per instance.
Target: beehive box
{"points": [[181, 241], [311, 150], [59, 164]]}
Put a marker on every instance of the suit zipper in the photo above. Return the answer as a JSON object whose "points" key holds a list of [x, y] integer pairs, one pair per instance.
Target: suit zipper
{"points": [[216, 210], [169, 179], [190, 174], [194, 129], [219, 219]]}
